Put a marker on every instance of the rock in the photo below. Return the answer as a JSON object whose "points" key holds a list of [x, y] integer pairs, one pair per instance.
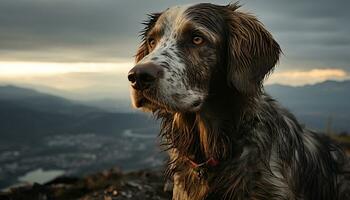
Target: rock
{"points": [[134, 184], [107, 185]]}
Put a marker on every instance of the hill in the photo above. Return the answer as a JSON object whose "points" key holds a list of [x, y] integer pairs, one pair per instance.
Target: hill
{"points": [[317, 105], [26, 114], [314, 105]]}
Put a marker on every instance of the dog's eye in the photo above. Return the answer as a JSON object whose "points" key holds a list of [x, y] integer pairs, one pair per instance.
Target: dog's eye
{"points": [[197, 40], [151, 43]]}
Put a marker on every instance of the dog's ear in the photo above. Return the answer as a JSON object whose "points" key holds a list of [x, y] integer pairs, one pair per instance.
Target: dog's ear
{"points": [[142, 51], [252, 51]]}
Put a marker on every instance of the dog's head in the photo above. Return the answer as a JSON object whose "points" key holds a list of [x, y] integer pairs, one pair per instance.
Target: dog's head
{"points": [[184, 46]]}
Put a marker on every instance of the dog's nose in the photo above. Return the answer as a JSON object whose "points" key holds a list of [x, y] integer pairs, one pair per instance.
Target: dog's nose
{"points": [[142, 76]]}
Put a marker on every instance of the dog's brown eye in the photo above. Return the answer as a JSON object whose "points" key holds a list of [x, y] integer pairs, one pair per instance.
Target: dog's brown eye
{"points": [[197, 40], [151, 43]]}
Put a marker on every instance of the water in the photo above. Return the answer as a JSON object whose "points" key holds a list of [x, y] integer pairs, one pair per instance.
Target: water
{"points": [[77, 155], [40, 176]]}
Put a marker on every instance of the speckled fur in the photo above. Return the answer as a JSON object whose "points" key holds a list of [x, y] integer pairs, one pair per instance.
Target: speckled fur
{"points": [[264, 152]]}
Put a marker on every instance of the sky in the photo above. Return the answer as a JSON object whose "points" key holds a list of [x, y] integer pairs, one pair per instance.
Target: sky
{"points": [[88, 45]]}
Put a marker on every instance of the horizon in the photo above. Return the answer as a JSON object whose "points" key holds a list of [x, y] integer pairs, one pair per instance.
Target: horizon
{"points": [[91, 45], [87, 95], [109, 79]]}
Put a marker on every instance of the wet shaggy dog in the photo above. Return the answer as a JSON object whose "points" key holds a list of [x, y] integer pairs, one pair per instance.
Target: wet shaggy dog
{"points": [[200, 70]]}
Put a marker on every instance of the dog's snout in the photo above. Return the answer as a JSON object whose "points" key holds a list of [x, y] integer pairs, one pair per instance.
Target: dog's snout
{"points": [[142, 76]]}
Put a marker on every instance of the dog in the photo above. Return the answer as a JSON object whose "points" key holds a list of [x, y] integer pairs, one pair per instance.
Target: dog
{"points": [[200, 69]]}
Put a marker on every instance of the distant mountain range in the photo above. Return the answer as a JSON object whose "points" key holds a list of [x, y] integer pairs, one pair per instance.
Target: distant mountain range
{"points": [[22, 110], [26, 114], [319, 105]]}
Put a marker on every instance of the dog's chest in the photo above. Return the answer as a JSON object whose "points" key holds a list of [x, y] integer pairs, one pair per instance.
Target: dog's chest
{"points": [[189, 185]]}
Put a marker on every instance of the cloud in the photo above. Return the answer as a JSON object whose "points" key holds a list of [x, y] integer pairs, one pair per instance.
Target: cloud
{"points": [[18, 70], [80, 80], [311, 34], [109, 80], [302, 77]]}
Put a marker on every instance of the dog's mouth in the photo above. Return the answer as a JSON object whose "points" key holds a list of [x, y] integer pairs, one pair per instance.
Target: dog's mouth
{"points": [[140, 102], [150, 101], [142, 99], [143, 102]]}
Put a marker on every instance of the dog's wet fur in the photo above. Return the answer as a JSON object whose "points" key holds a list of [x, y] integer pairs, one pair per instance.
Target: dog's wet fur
{"points": [[211, 102]]}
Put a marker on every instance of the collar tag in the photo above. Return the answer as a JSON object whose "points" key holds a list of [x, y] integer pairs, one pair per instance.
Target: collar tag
{"points": [[202, 168]]}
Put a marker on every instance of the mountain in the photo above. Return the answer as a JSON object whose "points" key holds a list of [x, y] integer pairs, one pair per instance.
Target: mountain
{"points": [[42, 102], [318, 106], [109, 100], [26, 114]]}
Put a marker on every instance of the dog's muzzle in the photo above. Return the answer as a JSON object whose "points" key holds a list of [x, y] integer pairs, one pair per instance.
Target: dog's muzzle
{"points": [[144, 75]]}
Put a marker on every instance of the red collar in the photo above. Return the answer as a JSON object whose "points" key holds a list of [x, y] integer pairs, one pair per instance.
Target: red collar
{"points": [[202, 168], [211, 162]]}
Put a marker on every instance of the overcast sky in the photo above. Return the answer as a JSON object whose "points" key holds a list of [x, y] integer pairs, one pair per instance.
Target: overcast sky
{"points": [[314, 35]]}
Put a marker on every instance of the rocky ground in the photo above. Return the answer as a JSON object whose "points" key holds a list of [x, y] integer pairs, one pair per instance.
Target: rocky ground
{"points": [[107, 185], [115, 185]]}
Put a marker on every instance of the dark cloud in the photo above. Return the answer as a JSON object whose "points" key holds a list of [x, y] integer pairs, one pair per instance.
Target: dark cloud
{"points": [[311, 33]]}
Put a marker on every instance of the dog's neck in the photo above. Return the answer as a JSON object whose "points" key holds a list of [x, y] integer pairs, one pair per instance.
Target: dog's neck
{"points": [[213, 132]]}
